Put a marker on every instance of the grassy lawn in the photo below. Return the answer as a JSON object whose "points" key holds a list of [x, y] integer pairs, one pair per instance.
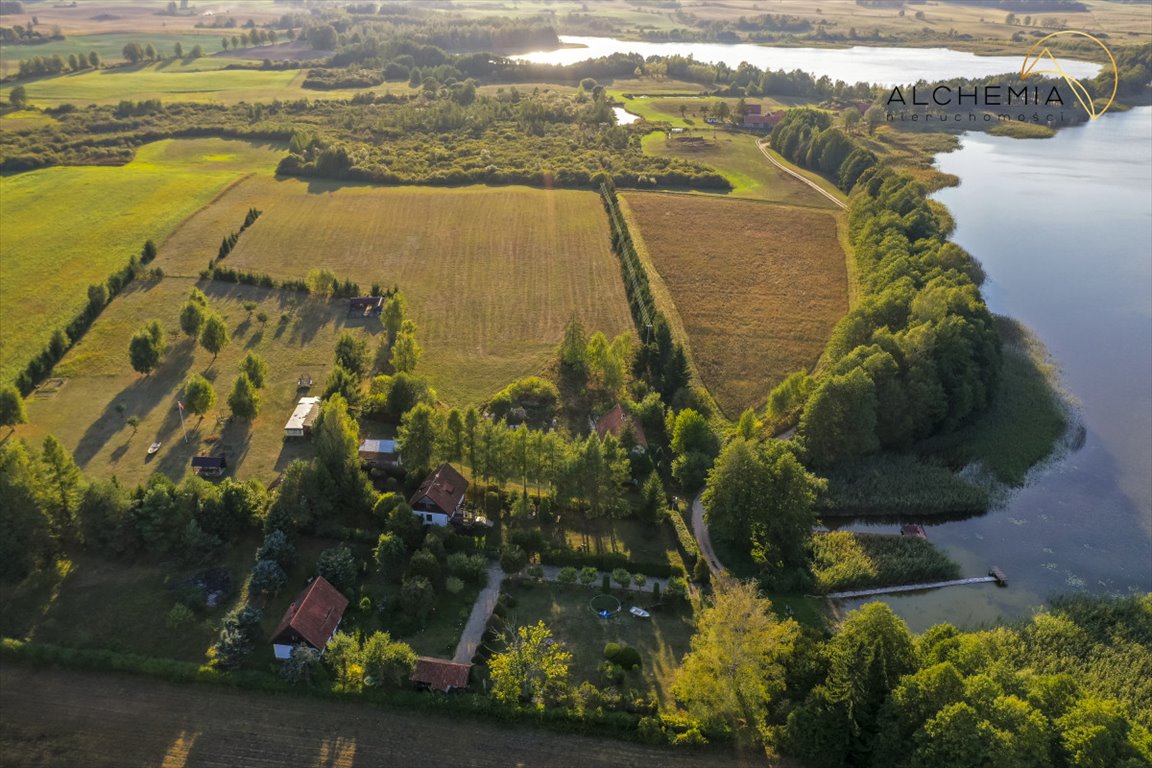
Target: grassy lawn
{"points": [[172, 83], [100, 391], [492, 275], [108, 45], [736, 156], [661, 640], [758, 287], [90, 602], [45, 270], [635, 540]]}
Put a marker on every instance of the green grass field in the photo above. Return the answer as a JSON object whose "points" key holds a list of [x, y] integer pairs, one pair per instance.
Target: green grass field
{"points": [[196, 82], [63, 229], [736, 156], [757, 288], [89, 412], [109, 46], [492, 275], [661, 640]]}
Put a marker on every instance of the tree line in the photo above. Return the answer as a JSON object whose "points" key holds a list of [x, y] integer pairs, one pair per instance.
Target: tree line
{"points": [[920, 354]]}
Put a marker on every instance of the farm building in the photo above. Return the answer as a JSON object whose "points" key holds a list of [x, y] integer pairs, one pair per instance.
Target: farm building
{"points": [[209, 466], [383, 454], [618, 423], [366, 306], [300, 422], [311, 619], [440, 674], [753, 118], [440, 498]]}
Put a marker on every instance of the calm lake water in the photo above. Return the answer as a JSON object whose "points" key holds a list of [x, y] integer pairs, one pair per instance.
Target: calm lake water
{"points": [[1063, 227], [884, 66]]}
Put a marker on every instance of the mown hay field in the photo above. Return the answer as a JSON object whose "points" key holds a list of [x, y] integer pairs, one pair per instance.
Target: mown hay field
{"points": [[758, 287], [492, 275], [97, 394], [63, 229], [69, 717]]}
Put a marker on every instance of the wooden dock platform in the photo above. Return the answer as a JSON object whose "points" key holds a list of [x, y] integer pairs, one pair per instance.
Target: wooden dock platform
{"points": [[911, 587]]}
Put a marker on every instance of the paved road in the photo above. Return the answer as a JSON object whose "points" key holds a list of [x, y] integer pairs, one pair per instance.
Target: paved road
{"points": [[56, 717], [764, 150], [704, 538], [481, 611]]}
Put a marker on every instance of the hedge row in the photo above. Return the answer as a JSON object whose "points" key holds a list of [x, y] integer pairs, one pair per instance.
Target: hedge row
{"points": [[621, 725], [608, 562], [64, 339], [689, 548]]}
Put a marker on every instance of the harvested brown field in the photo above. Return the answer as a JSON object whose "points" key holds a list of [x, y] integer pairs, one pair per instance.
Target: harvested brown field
{"points": [[758, 287], [54, 717]]}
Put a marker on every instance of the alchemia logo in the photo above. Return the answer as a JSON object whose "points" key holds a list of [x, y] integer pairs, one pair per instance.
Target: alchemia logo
{"points": [[1081, 93]]}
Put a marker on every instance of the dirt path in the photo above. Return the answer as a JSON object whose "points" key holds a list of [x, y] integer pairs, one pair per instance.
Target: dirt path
{"points": [[477, 620], [764, 151], [704, 538], [65, 718]]}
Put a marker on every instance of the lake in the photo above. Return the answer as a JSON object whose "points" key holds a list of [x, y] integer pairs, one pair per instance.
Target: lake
{"points": [[1063, 227], [883, 66]]}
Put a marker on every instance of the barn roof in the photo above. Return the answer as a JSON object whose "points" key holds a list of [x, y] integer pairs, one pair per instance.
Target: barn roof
{"points": [[209, 462], [616, 421], [440, 674], [314, 614], [445, 487]]}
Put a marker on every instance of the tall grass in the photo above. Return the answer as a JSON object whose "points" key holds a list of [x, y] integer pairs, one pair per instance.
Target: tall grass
{"points": [[845, 560], [899, 484]]}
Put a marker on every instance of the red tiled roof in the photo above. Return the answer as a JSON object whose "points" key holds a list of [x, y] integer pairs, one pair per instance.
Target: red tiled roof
{"points": [[445, 487], [616, 421], [440, 674], [314, 614]]}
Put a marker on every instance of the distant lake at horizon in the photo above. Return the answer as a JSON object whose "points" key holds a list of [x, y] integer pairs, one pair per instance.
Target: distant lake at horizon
{"points": [[881, 66], [1063, 227]]}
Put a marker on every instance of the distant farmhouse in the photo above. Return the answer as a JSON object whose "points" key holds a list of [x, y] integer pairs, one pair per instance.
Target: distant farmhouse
{"points": [[378, 453], [440, 498], [753, 118], [300, 422], [311, 619]]}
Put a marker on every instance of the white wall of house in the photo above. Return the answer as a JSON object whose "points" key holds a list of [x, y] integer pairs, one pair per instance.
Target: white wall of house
{"points": [[431, 518]]}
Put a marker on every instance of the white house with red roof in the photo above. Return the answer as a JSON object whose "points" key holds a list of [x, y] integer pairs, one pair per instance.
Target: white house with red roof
{"points": [[311, 619], [440, 498]]}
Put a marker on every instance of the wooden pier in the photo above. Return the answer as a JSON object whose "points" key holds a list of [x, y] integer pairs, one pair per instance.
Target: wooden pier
{"points": [[911, 587]]}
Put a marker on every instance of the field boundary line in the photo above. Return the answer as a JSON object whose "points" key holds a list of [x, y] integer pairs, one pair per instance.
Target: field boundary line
{"points": [[764, 151], [215, 199]]}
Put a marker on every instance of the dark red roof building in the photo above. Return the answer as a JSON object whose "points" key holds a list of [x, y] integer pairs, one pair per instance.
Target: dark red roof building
{"points": [[440, 674], [617, 422], [441, 495], [311, 619]]}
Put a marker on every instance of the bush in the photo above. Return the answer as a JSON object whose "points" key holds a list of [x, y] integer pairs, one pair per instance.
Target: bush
{"points": [[588, 575], [567, 575], [639, 579], [612, 650], [606, 584], [339, 567], [536, 572], [453, 585], [276, 546], [621, 577], [425, 564], [179, 616], [471, 568], [628, 658], [611, 673], [268, 576], [513, 559]]}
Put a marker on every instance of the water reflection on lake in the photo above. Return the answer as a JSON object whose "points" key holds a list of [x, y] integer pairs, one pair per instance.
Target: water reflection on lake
{"points": [[885, 66], [1063, 227]]}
